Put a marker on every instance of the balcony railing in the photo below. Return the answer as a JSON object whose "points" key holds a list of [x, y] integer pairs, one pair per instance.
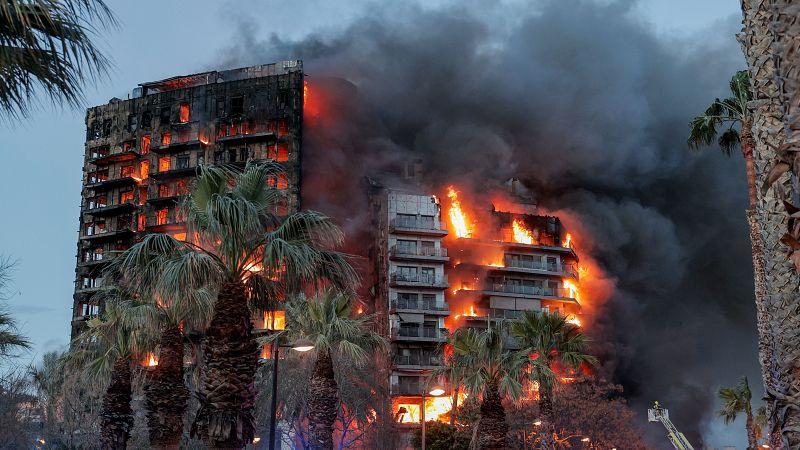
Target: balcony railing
{"points": [[419, 305], [570, 269], [421, 332], [496, 314], [530, 290], [418, 360], [426, 279], [436, 252], [418, 223]]}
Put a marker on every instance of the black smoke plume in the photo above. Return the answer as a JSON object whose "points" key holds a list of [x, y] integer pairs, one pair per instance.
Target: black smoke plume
{"points": [[589, 108]]}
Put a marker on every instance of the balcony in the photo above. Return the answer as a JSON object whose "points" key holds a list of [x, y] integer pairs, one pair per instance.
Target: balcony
{"points": [[413, 388], [168, 200], [128, 155], [538, 267], [418, 361], [425, 334], [103, 236], [418, 254], [417, 226], [249, 137], [174, 173], [423, 306], [418, 280], [174, 147], [99, 184], [532, 291], [101, 210]]}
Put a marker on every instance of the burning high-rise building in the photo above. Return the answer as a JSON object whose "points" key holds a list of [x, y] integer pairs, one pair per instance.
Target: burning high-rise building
{"points": [[440, 264], [142, 153]]}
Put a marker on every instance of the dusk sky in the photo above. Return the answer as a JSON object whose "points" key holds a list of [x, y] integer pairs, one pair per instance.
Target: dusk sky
{"points": [[43, 154]]}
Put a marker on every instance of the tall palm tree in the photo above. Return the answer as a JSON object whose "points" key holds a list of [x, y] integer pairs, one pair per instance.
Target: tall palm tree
{"points": [[106, 350], [248, 256], [487, 369], [731, 112], [554, 344], [337, 333], [737, 400], [773, 164], [47, 44]]}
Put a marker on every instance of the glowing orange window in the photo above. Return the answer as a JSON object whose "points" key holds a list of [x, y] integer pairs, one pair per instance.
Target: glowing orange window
{"points": [[164, 190], [142, 222], [180, 236], [163, 164], [127, 146], [145, 143], [142, 197], [274, 320], [184, 115], [127, 171], [161, 216], [166, 138], [283, 181], [245, 127], [144, 169], [271, 181], [126, 196], [283, 127], [283, 151]]}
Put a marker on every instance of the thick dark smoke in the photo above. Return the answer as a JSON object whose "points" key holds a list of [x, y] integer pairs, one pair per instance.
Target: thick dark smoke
{"points": [[590, 109]]}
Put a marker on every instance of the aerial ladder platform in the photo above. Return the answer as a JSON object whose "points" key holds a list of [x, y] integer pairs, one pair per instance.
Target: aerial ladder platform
{"points": [[659, 414]]}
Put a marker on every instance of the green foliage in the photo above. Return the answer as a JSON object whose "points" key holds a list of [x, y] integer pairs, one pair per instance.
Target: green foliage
{"points": [[735, 400], [11, 339], [442, 436], [730, 112], [330, 323], [480, 357], [554, 341], [47, 45]]}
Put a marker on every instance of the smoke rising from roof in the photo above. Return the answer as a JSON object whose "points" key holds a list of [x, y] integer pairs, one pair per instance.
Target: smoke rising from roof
{"points": [[588, 108]]}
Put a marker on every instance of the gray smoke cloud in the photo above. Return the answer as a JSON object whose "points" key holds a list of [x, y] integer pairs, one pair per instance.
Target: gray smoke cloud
{"points": [[590, 109]]}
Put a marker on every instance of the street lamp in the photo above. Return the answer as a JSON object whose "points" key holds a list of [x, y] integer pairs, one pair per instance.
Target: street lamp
{"points": [[300, 345], [434, 391]]}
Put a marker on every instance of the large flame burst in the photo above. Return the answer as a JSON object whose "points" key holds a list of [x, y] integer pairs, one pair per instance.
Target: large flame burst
{"points": [[521, 234], [457, 217]]}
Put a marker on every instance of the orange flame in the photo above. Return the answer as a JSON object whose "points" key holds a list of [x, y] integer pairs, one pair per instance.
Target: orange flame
{"points": [[521, 234], [471, 312], [151, 360], [574, 320], [572, 288], [567, 241], [457, 217]]}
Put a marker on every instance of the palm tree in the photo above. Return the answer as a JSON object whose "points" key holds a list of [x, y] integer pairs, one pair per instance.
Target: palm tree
{"points": [[105, 351], [772, 160], [553, 343], [487, 369], [731, 112], [737, 400], [337, 333], [10, 338], [248, 256], [47, 44]]}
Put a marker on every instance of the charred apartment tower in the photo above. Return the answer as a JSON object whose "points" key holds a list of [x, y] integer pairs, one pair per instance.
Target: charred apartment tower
{"points": [[141, 155]]}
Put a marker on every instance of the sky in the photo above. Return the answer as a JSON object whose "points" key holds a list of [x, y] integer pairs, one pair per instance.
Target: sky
{"points": [[43, 154]]}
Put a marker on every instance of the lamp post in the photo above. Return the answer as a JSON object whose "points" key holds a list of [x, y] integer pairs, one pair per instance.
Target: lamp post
{"points": [[300, 345], [435, 391]]}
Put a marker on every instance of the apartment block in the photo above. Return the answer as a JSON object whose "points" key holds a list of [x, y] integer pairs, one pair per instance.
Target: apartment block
{"points": [[142, 153]]}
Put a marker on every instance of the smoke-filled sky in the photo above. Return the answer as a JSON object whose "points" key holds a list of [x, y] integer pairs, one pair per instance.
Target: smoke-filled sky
{"points": [[587, 102]]}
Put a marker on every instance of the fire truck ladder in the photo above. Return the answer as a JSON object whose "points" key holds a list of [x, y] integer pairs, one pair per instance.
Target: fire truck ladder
{"points": [[659, 414]]}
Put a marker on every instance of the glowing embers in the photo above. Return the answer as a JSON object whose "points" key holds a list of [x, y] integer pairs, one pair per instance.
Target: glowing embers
{"points": [[457, 217], [522, 235]]}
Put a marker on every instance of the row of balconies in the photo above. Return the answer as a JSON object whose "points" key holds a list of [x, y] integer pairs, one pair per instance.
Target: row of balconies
{"points": [[418, 253], [420, 305], [419, 360], [417, 225]]}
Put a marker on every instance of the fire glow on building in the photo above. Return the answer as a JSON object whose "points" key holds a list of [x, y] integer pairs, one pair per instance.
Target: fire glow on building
{"points": [[457, 260]]}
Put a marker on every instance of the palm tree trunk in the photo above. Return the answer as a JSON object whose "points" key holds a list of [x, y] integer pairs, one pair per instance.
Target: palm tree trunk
{"points": [[227, 388], [786, 56], [752, 442], [548, 426], [492, 426], [116, 415], [780, 279], [166, 394], [455, 405], [323, 403]]}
